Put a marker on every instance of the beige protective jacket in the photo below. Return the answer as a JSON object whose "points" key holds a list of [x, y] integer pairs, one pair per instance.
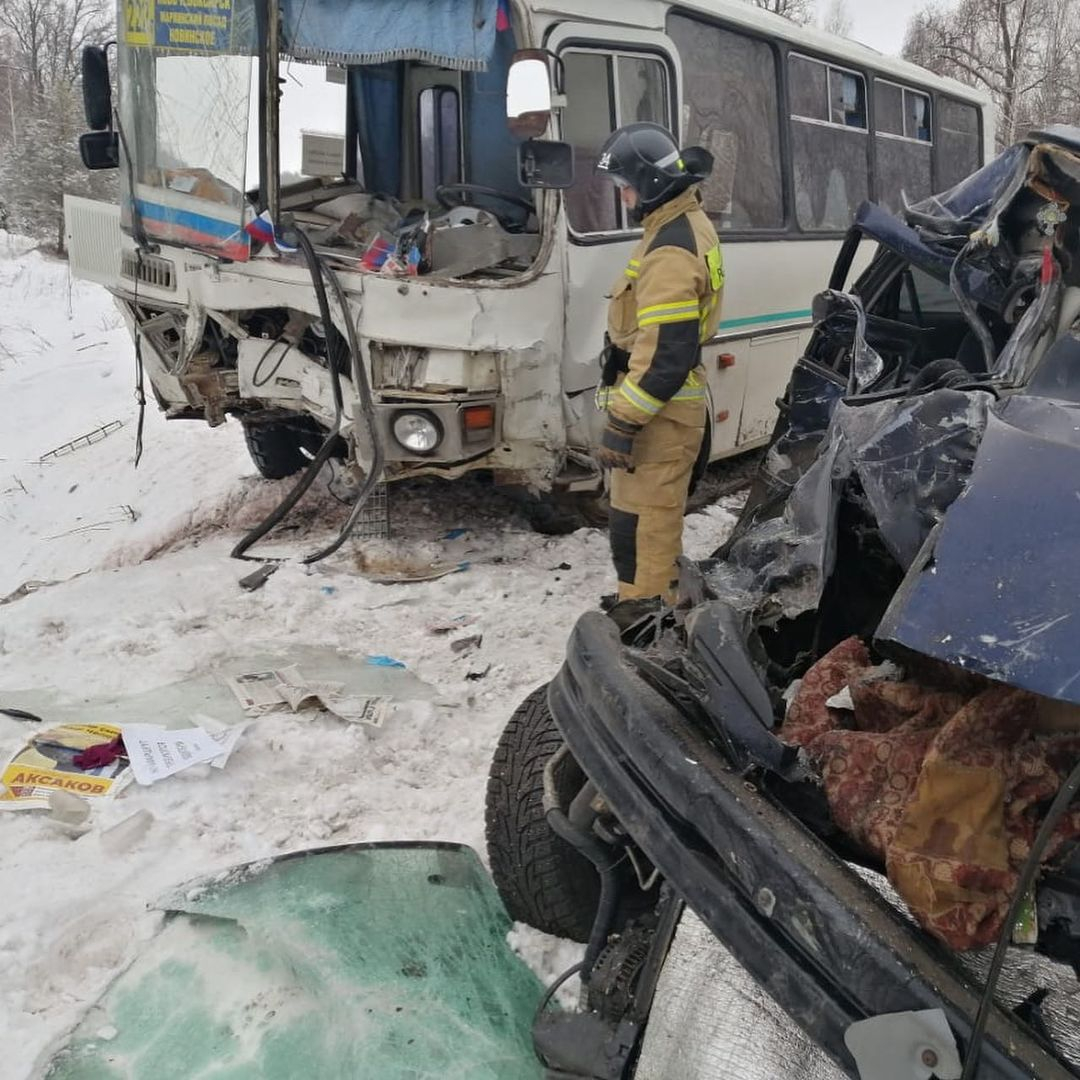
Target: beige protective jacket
{"points": [[665, 304]]}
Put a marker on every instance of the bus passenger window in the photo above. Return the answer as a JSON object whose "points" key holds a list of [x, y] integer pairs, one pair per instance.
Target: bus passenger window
{"points": [[440, 139], [829, 144], [847, 98], [958, 149], [731, 109], [903, 145], [604, 91]]}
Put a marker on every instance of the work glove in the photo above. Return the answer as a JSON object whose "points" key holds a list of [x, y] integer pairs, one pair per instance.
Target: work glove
{"points": [[617, 444], [613, 363]]}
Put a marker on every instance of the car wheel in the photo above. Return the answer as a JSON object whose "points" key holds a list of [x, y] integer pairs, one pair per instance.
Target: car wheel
{"points": [[276, 448], [542, 879]]}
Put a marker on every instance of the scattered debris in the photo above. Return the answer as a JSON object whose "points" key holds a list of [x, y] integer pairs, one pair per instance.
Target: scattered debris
{"points": [[21, 714], [258, 578], [127, 514], [28, 587], [82, 441], [47, 764], [430, 573], [455, 534], [467, 644], [448, 626], [156, 752], [69, 814], [478, 673], [101, 754], [384, 661], [126, 834], [274, 691]]}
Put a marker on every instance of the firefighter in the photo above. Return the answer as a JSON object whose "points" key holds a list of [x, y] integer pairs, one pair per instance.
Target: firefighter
{"points": [[665, 304]]}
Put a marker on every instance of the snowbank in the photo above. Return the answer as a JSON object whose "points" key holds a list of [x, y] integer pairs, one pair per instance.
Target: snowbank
{"points": [[72, 913]]}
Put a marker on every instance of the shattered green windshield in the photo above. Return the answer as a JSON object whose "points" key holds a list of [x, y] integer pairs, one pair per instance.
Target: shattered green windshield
{"points": [[372, 961]]}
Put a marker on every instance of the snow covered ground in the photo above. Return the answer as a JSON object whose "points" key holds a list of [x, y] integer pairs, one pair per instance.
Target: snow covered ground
{"points": [[143, 593]]}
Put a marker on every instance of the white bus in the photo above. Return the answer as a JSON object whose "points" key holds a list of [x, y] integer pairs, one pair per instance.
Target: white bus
{"points": [[473, 288]]}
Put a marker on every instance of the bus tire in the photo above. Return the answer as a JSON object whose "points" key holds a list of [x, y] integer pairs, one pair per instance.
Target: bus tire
{"points": [[542, 880], [276, 448]]}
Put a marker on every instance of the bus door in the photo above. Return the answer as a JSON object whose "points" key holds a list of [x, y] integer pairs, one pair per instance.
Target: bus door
{"points": [[613, 76]]}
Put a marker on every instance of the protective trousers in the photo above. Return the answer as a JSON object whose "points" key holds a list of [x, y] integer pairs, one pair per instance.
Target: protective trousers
{"points": [[648, 503]]}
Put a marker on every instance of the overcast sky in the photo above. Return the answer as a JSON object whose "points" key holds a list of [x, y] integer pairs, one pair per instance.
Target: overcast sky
{"points": [[880, 23]]}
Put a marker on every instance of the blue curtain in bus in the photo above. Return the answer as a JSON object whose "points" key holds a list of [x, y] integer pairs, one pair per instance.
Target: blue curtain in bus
{"points": [[376, 94], [491, 150], [457, 34]]}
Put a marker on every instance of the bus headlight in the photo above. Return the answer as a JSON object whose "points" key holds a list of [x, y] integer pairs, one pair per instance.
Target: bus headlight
{"points": [[417, 432]]}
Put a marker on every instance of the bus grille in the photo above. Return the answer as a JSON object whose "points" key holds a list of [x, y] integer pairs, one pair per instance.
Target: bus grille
{"points": [[150, 270]]}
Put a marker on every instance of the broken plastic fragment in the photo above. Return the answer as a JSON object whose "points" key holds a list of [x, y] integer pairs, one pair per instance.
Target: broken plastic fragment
{"points": [[124, 836], [384, 661]]}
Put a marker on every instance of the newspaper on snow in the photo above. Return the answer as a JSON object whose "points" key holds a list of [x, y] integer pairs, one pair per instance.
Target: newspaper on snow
{"points": [[46, 764], [260, 692]]}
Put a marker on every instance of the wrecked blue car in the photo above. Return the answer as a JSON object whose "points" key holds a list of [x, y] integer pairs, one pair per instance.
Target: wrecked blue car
{"points": [[829, 794]]}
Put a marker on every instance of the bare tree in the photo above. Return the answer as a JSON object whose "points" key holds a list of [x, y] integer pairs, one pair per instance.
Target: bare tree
{"points": [[837, 19], [40, 46], [1022, 51], [800, 11]]}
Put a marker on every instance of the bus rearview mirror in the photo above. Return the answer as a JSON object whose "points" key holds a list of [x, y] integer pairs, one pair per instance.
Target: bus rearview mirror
{"points": [[97, 92], [528, 94], [546, 164], [100, 150]]}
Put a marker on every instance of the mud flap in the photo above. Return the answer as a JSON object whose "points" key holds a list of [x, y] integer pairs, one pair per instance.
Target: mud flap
{"points": [[371, 961]]}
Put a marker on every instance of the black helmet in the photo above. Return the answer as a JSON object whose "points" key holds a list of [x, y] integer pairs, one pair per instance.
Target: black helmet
{"points": [[647, 158]]}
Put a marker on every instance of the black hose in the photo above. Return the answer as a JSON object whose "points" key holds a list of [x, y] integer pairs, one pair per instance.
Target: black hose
{"points": [[367, 405], [300, 489], [599, 854], [1027, 877], [545, 1001]]}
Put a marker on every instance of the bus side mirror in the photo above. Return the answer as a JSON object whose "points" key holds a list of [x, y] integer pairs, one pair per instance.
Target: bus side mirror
{"points": [[528, 94], [545, 164], [97, 93], [100, 150]]}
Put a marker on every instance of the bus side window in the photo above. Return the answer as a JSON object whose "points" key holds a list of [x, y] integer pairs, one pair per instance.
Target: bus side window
{"points": [[730, 91], [903, 143], [957, 142], [440, 139], [829, 143]]}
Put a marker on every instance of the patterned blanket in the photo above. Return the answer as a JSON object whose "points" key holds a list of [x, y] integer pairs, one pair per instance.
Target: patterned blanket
{"points": [[942, 779]]}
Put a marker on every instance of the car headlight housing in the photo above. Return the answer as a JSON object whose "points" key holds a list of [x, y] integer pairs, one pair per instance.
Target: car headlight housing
{"points": [[417, 432]]}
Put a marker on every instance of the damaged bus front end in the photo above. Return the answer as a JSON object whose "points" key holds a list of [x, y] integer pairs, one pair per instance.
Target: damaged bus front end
{"points": [[850, 751], [256, 293]]}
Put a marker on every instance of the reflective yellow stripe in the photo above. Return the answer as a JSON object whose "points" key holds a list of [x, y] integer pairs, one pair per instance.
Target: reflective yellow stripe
{"points": [[691, 390], [689, 393], [705, 315], [679, 305], [637, 397], [631, 274], [655, 320]]}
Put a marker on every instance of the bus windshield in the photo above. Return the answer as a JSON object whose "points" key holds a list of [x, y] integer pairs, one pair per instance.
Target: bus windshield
{"points": [[184, 97]]}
